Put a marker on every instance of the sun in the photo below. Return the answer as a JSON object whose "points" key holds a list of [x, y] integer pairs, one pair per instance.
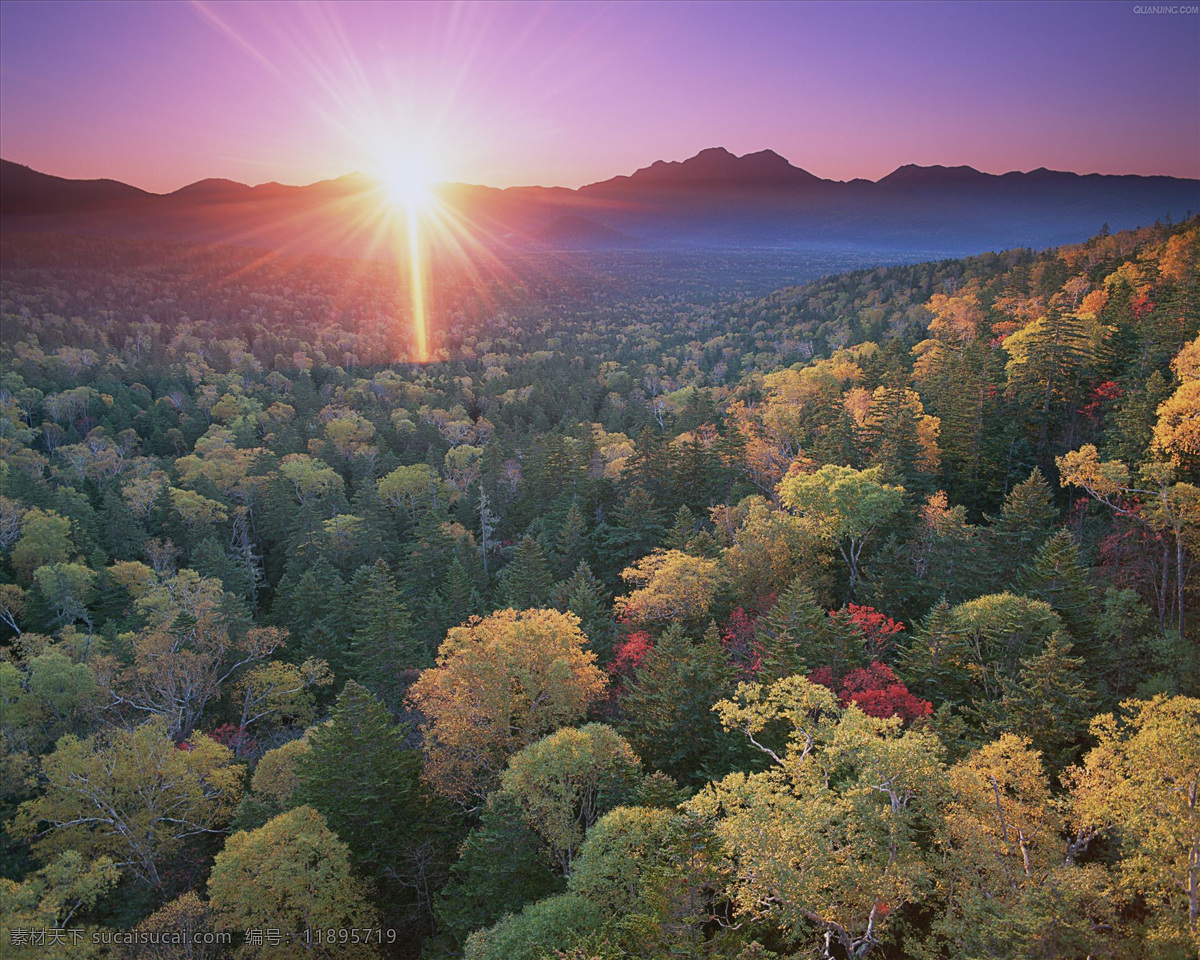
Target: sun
{"points": [[407, 179]]}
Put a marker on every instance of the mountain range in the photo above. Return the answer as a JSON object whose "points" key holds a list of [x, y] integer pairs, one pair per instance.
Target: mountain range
{"points": [[712, 200]]}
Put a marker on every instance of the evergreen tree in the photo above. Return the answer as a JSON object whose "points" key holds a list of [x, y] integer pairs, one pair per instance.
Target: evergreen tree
{"points": [[526, 582], [798, 635], [383, 650], [585, 596], [666, 707], [209, 559], [682, 531], [361, 778], [1023, 525], [635, 529], [460, 595], [313, 608], [1058, 576], [123, 535], [650, 465], [1049, 703], [502, 866], [569, 541]]}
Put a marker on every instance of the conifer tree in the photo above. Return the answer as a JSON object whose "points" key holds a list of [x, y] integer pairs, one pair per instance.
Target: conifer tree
{"points": [[682, 531], [569, 541], [1057, 575], [1049, 703], [461, 597], [634, 529], [585, 596], [358, 774], [525, 583], [313, 608], [383, 649], [666, 707], [1023, 525], [783, 632]]}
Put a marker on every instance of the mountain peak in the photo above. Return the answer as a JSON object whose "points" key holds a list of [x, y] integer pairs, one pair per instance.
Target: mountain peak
{"points": [[717, 165], [916, 175]]}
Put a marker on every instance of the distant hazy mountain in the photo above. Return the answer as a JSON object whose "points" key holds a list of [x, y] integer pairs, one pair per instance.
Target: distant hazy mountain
{"points": [[714, 199]]}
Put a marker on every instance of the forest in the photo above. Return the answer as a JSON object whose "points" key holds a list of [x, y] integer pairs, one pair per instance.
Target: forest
{"points": [[648, 619]]}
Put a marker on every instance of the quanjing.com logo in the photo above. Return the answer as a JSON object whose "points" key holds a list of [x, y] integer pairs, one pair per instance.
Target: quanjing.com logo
{"points": [[1151, 8]]}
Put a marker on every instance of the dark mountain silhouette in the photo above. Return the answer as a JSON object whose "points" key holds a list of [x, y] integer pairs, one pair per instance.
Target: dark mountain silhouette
{"points": [[714, 167], [714, 199], [24, 190]]}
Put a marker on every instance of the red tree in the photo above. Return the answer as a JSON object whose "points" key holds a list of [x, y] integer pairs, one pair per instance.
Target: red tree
{"points": [[876, 691]]}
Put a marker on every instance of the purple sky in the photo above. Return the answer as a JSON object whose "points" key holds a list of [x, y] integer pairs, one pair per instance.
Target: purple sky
{"points": [[162, 94]]}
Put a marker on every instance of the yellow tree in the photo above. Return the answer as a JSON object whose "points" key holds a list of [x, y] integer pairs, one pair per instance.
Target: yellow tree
{"points": [[186, 653], [1141, 785], [1012, 888], [500, 683], [132, 795], [51, 898], [831, 835], [670, 586], [292, 875], [1177, 433]]}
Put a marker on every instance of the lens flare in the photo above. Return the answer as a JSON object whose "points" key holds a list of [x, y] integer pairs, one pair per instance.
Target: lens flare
{"points": [[406, 179]]}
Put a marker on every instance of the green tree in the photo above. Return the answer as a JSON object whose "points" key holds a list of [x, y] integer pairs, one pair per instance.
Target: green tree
{"points": [[382, 646], [845, 505], [133, 795], [1048, 702], [583, 595], [666, 706], [45, 538], [1058, 576], [358, 774], [503, 865], [634, 529], [527, 580], [1024, 523], [292, 875]]}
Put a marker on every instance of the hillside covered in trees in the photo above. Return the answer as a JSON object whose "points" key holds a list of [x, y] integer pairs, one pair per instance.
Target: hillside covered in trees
{"points": [[854, 620]]}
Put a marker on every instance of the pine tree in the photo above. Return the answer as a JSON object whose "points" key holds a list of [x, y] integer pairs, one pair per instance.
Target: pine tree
{"points": [[569, 541], [461, 596], [635, 529], [696, 474], [526, 582], [584, 596], [1023, 525], [209, 559], [650, 465], [383, 650], [368, 786], [666, 707], [1058, 576], [1048, 702], [935, 664], [682, 531], [313, 608], [123, 534], [1049, 362], [798, 635]]}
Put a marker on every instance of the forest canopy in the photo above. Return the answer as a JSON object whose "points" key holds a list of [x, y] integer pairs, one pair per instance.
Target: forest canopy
{"points": [[858, 619]]}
